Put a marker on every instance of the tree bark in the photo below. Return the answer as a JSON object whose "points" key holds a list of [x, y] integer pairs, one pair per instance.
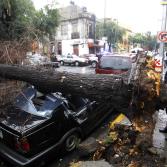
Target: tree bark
{"points": [[106, 88]]}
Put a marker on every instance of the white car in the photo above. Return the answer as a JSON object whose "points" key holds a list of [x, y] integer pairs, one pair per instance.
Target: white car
{"points": [[93, 60], [72, 59]]}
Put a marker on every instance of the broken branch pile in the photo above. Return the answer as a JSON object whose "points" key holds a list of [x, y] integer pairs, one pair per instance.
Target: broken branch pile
{"points": [[11, 52]]}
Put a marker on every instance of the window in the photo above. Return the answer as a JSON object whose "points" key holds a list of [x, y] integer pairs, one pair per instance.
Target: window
{"points": [[36, 103], [64, 29], [74, 27]]}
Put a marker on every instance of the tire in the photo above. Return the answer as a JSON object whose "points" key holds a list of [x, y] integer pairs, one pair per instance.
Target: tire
{"points": [[62, 63], [71, 142], [76, 63], [94, 64]]}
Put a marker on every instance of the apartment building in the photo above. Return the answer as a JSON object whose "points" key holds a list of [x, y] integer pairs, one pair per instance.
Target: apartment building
{"points": [[76, 32]]}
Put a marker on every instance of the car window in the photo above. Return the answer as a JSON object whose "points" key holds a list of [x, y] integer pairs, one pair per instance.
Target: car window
{"points": [[35, 103], [77, 103], [68, 56], [116, 63]]}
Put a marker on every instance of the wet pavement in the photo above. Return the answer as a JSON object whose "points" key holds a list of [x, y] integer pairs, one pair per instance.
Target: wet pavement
{"points": [[73, 69], [159, 141]]}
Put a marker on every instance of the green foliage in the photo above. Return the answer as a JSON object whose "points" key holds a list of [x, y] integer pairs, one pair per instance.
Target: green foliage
{"points": [[146, 40], [46, 21], [22, 13], [25, 19], [111, 30]]}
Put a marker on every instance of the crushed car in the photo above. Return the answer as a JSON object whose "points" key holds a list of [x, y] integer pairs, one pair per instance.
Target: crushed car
{"points": [[35, 125]]}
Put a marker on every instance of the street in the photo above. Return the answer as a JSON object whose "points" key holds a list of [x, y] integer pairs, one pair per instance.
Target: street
{"points": [[73, 69]]}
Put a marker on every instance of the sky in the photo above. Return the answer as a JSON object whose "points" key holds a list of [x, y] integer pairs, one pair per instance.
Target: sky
{"points": [[137, 15]]}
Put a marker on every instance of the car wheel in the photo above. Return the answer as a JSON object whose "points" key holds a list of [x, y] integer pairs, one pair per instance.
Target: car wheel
{"points": [[62, 62], [77, 63], [94, 64], [71, 142]]}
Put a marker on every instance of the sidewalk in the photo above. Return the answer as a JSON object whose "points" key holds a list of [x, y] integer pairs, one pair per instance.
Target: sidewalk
{"points": [[159, 141]]}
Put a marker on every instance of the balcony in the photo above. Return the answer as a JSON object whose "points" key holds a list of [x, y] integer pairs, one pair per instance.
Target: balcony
{"points": [[75, 35]]}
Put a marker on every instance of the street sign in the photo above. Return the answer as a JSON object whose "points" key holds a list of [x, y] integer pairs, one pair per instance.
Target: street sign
{"points": [[162, 36], [164, 3]]}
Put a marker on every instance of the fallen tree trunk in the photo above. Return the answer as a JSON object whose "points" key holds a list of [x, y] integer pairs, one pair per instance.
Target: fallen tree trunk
{"points": [[110, 89]]}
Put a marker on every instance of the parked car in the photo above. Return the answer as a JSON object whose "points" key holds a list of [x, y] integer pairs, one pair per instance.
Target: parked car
{"points": [[73, 59], [115, 64], [36, 125], [92, 59]]}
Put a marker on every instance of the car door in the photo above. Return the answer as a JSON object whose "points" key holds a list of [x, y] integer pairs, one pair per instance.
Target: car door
{"points": [[50, 132], [68, 59], [61, 123], [82, 117], [92, 115]]}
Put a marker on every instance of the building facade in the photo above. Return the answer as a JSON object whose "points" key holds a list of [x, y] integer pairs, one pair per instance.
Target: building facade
{"points": [[76, 32]]}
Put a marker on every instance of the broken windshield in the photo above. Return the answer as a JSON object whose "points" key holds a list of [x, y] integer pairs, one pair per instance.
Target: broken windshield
{"points": [[36, 103]]}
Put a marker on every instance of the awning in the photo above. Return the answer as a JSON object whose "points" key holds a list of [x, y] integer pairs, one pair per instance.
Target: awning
{"points": [[92, 45]]}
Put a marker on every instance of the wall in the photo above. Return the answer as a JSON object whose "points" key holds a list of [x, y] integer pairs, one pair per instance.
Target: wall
{"points": [[67, 46]]}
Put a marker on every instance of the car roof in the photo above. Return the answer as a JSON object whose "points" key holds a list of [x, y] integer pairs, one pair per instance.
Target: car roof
{"points": [[118, 55]]}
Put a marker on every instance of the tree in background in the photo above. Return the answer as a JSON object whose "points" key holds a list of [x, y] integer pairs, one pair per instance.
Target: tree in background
{"points": [[111, 30], [46, 20], [24, 19], [146, 40], [21, 17], [150, 41]]}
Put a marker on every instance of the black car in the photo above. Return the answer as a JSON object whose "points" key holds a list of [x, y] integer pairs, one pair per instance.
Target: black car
{"points": [[36, 125]]}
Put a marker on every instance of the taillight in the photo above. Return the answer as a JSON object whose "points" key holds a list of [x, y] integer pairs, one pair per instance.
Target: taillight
{"points": [[22, 145]]}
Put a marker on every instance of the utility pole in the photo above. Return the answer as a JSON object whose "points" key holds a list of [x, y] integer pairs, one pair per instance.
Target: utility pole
{"points": [[104, 27], [104, 24], [163, 28]]}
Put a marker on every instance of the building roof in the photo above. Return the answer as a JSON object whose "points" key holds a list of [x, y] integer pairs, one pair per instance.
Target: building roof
{"points": [[74, 12]]}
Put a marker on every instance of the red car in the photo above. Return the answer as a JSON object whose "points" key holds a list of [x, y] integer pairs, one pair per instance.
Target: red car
{"points": [[114, 64]]}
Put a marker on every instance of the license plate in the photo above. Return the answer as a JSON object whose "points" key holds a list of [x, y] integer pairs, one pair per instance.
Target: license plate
{"points": [[1, 135]]}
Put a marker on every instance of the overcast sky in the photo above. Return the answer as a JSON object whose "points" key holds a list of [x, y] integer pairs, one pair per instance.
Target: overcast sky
{"points": [[139, 15]]}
